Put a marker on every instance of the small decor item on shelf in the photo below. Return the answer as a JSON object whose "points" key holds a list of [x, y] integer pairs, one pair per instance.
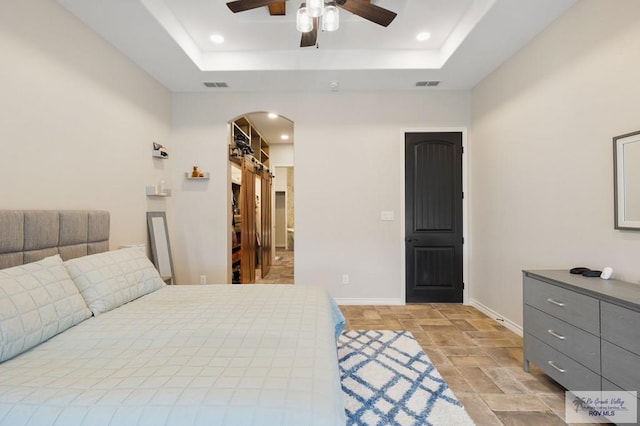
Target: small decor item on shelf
{"points": [[195, 173], [159, 151]]}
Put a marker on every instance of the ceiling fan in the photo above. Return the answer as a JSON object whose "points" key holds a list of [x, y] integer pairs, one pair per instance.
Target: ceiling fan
{"points": [[363, 8]]}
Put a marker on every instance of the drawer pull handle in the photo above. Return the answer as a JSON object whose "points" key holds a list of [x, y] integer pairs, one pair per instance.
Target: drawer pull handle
{"points": [[555, 302], [561, 370], [554, 334]]}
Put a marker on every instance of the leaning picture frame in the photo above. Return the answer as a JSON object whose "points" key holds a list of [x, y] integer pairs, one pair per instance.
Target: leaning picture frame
{"points": [[626, 181], [160, 246]]}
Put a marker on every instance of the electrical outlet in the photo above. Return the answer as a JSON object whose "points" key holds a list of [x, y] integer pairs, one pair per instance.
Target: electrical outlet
{"points": [[345, 279], [203, 279]]}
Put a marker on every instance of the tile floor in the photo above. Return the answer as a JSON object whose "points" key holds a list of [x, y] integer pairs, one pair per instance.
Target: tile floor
{"points": [[281, 271], [479, 358]]}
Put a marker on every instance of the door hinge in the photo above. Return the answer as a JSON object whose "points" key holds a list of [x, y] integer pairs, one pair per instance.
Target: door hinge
{"points": [[462, 240], [463, 195], [462, 149], [463, 285]]}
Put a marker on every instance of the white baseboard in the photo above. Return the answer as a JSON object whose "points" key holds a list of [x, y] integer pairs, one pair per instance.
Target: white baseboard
{"points": [[496, 316], [369, 302]]}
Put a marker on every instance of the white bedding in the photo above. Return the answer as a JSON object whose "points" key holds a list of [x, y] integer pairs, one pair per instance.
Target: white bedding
{"points": [[183, 355]]}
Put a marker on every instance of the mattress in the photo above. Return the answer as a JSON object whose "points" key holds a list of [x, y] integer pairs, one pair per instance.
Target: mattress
{"points": [[186, 355]]}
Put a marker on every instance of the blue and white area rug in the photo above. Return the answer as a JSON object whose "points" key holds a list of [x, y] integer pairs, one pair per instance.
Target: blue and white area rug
{"points": [[387, 379]]}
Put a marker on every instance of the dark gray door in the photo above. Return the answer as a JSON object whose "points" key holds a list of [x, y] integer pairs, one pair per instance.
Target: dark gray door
{"points": [[433, 222]]}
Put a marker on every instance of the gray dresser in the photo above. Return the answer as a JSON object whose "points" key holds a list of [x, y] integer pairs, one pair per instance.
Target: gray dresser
{"points": [[582, 332]]}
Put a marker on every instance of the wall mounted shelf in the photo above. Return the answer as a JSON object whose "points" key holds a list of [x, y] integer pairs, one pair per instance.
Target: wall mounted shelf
{"points": [[160, 151], [205, 176], [152, 191]]}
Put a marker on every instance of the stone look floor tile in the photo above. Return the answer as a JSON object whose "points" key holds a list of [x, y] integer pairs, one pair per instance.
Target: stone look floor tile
{"points": [[480, 359], [281, 271], [529, 419], [515, 402], [505, 381], [479, 412], [480, 382], [472, 361]]}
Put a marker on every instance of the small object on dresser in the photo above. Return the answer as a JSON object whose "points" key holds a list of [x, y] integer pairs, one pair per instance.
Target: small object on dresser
{"points": [[606, 273], [578, 270], [195, 173], [591, 273]]}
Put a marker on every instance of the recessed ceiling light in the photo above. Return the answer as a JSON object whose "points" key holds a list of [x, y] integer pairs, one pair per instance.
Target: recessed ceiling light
{"points": [[284, 137], [272, 115], [217, 38], [423, 36]]}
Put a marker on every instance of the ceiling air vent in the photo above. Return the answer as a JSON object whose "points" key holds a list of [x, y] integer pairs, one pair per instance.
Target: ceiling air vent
{"points": [[215, 84], [427, 83]]}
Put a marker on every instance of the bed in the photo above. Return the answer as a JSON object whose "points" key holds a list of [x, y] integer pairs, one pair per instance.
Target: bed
{"points": [[95, 337]]}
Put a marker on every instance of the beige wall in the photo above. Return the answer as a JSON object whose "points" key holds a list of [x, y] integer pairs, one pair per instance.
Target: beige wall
{"points": [[541, 172], [348, 168], [77, 120]]}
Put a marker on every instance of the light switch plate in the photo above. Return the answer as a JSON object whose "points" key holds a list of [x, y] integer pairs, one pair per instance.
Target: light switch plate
{"points": [[387, 215]]}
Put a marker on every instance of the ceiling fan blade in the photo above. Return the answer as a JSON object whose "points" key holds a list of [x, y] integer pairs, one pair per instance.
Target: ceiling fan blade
{"points": [[368, 11], [310, 39], [242, 5]]}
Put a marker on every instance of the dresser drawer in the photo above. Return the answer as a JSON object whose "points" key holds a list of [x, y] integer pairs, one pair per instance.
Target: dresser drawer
{"points": [[621, 326], [608, 386], [569, 373], [571, 341], [620, 367], [574, 308]]}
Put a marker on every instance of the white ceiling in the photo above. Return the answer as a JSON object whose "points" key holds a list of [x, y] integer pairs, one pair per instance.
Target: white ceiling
{"points": [[170, 39]]}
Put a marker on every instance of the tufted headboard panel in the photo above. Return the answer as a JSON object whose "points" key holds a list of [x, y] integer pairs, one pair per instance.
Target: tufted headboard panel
{"points": [[30, 235]]}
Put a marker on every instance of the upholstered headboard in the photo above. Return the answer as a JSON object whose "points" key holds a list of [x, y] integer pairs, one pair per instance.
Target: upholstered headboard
{"points": [[30, 235]]}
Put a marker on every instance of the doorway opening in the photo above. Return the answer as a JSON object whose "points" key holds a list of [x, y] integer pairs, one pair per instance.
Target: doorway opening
{"points": [[261, 204]]}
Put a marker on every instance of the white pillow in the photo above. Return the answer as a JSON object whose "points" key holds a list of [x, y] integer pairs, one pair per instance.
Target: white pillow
{"points": [[37, 301], [113, 278]]}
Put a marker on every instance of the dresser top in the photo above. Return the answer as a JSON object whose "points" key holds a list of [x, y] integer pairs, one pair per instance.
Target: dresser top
{"points": [[619, 292]]}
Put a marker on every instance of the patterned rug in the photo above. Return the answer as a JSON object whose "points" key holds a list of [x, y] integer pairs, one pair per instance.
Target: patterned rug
{"points": [[387, 379]]}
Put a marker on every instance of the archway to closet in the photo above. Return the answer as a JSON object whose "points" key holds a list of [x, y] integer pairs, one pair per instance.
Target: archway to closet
{"points": [[261, 200]]}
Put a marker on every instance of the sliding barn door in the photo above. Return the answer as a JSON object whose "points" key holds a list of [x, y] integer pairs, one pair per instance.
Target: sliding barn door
{"points": [[248, 211], [266, 219]]}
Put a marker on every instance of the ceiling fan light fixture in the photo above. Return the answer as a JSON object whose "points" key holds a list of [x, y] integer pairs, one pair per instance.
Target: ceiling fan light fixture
{"points": [[331, 18], [304, 22], [315, 8]]}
